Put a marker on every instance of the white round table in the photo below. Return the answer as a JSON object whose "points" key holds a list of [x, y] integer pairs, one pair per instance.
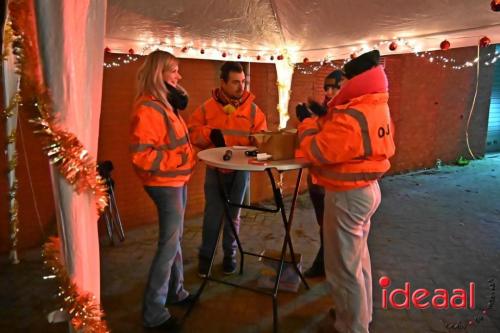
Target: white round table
{"points": [[239, 161]]}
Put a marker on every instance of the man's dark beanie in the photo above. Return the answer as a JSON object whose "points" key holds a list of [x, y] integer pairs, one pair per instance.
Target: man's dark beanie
{"points": [[361, 64]]}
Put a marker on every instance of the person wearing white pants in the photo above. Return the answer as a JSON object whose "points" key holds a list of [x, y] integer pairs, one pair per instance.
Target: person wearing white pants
{"points": [[349, 149], [347, 259]]}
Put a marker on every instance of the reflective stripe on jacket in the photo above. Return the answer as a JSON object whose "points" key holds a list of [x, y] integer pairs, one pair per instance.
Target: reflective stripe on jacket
{"points": [[350, 146], [161, 151], [236, 127]]}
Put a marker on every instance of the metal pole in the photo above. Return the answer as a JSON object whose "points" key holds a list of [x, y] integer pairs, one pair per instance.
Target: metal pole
{"points": [[247, 199]]}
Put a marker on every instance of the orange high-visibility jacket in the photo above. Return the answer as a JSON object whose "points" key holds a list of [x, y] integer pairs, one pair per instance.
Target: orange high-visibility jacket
{"points": [[350, 147], [162, 154], [236, 127]]}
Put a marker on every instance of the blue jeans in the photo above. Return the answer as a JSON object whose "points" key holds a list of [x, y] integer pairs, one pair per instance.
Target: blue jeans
{"points": [[166, 275], [235, 185]]}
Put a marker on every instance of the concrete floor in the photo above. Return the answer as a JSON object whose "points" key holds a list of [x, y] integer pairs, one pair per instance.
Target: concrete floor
{"points": [[434, 229]]}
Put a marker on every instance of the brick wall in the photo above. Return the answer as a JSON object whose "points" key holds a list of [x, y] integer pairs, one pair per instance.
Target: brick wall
{"points": [[429, 105], [199, 78]]}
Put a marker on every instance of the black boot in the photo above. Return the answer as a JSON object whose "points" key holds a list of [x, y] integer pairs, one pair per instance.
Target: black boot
{"points": [[203, 265], [318, 267]]}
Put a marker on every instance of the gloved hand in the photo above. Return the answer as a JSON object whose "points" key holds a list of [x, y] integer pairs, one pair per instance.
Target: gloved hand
{"points": [[316, 108], [302, 112], [217, 138]]}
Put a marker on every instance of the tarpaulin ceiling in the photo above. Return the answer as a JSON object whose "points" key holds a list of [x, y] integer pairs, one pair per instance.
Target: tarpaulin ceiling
{"points": [[312, 29]]}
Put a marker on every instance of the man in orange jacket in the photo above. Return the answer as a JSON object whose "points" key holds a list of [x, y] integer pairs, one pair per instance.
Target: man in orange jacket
{"points": [[350, 149], [226, 119]]}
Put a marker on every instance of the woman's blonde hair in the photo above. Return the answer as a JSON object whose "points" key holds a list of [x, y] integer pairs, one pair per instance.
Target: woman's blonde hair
{"points": [[150, 75]]}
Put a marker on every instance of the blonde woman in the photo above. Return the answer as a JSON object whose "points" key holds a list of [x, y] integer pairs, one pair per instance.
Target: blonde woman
{"points": [[163, 159]]}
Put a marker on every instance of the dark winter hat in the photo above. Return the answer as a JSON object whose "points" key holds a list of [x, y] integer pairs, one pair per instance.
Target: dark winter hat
{"points": [[361, 64], [333, 79]]}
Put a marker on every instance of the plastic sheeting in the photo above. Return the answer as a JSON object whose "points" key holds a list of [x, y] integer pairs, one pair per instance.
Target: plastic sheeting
{"points": [[336, 26], [315, 28], [312, 29], [72, 35], [240, 24]]}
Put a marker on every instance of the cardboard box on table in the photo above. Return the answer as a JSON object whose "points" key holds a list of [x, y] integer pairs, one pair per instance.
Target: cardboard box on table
{"points": [[280, 145]]}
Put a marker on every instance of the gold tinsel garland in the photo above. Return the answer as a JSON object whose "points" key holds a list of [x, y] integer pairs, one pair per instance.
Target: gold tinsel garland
{"points": [[13, 204], [86, 315], [13, 210], [8, 112], [63, 148], [13, 103], [13, 190], [11, 138], [8, 37], [14, 219], [67, 153], [12, 164], [14, 225]]}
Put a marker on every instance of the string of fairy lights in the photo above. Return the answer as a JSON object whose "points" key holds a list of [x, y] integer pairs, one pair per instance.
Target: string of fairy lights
{"points": [[450, 62], [446, 62], [216, 50], [222, 50], [121, 60]]}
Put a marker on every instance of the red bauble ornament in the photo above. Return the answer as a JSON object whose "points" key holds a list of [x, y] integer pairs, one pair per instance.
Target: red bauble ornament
{"points": [[495, 5], [485, 41], [224, 54], [131, 51], [107, 49], [305, 61], [445, 45], [258, 57], [239, 56], [353, 56], [393, 46], [184, 49], [272, 58], [280, 57], [202, 51]]}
